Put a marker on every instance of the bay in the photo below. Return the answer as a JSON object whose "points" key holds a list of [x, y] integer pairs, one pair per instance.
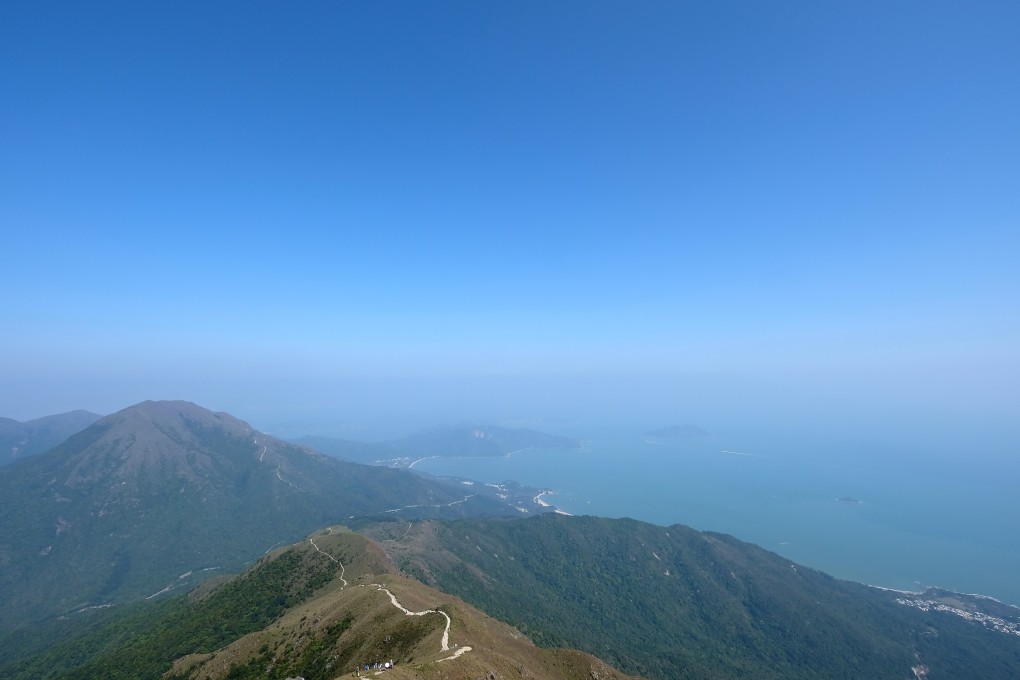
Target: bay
{"points": [[920, 520]]}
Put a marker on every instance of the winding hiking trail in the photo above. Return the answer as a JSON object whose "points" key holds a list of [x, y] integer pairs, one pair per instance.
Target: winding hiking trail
{"points": [[183, 579], [280, 477], [394, 540], [437, 505], [262, 456], [335, 560], [444, 645]]}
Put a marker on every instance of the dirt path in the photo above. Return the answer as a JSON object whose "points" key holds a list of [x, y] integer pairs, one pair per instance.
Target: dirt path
{"points": [[335, 560], [444, 645], [280, 477], [263, 453], [438, 505]]}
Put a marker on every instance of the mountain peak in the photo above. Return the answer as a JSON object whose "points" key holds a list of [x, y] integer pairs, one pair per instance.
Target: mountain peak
{"points": [[154, 440], [164, 488], [176, 412]]}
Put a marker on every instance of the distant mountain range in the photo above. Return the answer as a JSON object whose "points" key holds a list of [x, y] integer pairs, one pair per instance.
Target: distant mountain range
{"points": [[163, 494], [21, 440], [463, 441]]}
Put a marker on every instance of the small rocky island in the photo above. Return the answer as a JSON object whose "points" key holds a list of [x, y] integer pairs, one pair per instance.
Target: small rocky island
{"points": [[849, 499]]}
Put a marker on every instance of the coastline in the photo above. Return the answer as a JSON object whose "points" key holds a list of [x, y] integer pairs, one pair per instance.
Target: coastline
{"points": [[540, 501], [809, 520], [420, 460], [508, 454]]}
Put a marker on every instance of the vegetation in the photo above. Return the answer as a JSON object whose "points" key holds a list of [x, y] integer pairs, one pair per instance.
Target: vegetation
{"points": [[299, 613], [676, 603], [124, 508], [143, 640], [313, 661], [133, 504]]}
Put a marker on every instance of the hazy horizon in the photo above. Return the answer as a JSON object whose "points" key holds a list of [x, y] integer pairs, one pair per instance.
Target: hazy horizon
{"points": [[365, 218]]}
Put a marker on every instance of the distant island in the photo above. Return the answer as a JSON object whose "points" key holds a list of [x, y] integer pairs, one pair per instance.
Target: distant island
{"points": [[465, 441], [679, 432], [848, 499], [479, 440]]}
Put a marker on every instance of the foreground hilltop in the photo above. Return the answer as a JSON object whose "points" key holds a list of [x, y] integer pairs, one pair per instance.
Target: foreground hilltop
{"points": [[162, 494], [317, 609]]}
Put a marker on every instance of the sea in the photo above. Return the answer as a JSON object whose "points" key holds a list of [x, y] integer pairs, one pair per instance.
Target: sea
{"points": [[894, 515]]}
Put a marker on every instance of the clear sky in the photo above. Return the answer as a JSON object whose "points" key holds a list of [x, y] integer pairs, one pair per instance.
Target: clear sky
{"points": [[315, 215]]}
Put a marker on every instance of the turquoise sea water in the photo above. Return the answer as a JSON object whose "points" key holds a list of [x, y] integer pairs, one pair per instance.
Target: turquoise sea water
{"points": [[936, 523]]}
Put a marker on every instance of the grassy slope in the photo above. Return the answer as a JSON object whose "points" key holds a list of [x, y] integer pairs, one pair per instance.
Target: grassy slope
{"points": [[299, 612], [675, 603], [122, 510]]}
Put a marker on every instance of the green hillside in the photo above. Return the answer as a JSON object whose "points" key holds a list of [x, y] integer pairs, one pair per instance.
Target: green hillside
{"points": [[101, 535], [677, 603], [164, 494], [317, 610]]}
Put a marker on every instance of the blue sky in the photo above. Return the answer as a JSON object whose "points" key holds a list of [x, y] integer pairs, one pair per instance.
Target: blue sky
{"points": [[327, 213]]}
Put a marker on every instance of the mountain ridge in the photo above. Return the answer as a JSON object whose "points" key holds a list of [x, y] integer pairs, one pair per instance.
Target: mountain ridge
{"points": [[673, 602], [124, 507], [318, 609], [154, 499], [21, 440]]}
